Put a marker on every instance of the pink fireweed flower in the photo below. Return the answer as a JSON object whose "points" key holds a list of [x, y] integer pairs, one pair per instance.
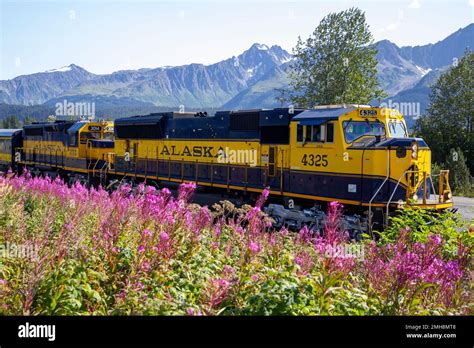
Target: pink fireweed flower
{"points": [[165, 193], [223, 282], [298, 260], [452, 271], [255, 277], [263, 197], [191, 311], [254, 247], [304, 236], [218, 291], [197, 221], [391, 268], [228, 269], [186, 191], [145, 266], [306, 262], [436, 239], [240, 230], [147, 233], [217, 228], [253, 213], [141, 188], [141, 249], [164, 237], [139, 286], [122, 295], [284, 232]]}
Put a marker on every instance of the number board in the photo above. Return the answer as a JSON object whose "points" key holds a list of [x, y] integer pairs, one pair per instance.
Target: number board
{"points": [[315, 160], [365, 113]]}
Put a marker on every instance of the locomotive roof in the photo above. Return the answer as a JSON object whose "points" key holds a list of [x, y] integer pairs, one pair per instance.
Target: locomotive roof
{"points": [[319, 116], [140, 120], [8, 132], [75, 127], [58, 123]]}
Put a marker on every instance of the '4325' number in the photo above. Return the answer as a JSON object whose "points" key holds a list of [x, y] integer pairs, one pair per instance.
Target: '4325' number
{"points": [[315, 160]]}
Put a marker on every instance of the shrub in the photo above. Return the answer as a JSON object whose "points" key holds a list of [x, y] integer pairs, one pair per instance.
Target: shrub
{"points": [[421, 224]]}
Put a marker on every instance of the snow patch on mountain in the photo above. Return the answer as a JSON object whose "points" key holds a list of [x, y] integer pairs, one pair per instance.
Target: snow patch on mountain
{"points": [[423, 71], [62, 69]]}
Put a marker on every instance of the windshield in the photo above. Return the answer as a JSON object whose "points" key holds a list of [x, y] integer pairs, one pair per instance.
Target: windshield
{"points": [[108, 136], [397, 130], [354, 130], [90, 135]]}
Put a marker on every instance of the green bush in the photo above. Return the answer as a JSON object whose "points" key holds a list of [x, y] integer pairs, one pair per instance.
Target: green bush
{"points": [[423, 223]]}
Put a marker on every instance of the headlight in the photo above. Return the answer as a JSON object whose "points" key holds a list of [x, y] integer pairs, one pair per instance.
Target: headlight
{"points": [[414, 150]]}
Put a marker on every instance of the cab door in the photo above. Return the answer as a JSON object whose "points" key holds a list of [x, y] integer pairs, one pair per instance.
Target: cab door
{"points": [[272, 175], [134, 156], [272, 161]]}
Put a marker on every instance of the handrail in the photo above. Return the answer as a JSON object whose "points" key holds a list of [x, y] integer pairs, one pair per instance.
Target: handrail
{"points": [[281, 171], [398, 184], [376, 192]]}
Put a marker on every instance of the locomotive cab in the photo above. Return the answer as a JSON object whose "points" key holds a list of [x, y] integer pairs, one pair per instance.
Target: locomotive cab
{"points": [[362, 155]]}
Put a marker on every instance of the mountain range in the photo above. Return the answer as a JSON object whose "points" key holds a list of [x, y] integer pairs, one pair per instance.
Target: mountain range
{"points": [[249, 80]]}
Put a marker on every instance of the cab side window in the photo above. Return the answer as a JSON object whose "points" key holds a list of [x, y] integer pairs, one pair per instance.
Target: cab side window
{"points": [[5, 146], [330, 132], [315, 134], [299, 133], [308, 134], [316, 138]]}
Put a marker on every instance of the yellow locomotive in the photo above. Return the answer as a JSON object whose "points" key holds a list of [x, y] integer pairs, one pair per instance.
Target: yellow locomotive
{"points": [[67, 148]]}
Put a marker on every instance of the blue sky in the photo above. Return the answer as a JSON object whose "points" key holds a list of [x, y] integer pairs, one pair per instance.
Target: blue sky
{"points": [[106, 36]]}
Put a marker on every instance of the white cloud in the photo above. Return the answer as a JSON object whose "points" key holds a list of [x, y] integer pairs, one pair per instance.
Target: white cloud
{"points": [[416, 4], [72, 15], [471, 2], [393, 25]]}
